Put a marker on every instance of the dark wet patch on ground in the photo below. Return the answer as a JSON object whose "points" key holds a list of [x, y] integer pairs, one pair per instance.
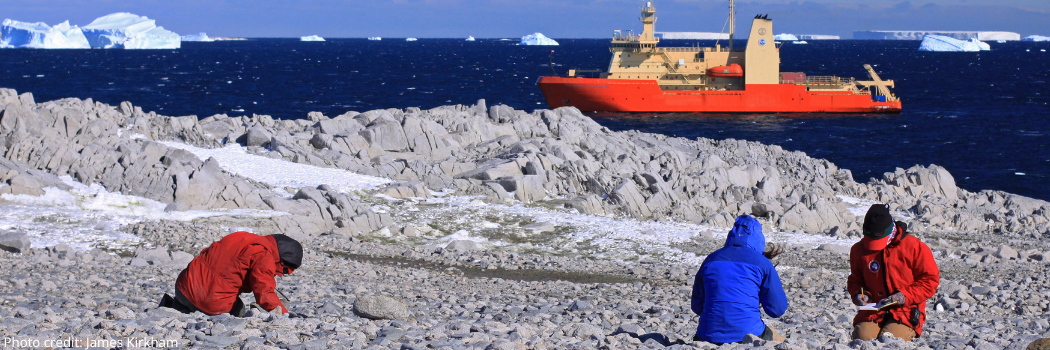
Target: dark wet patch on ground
{"points": [[476, 272]]}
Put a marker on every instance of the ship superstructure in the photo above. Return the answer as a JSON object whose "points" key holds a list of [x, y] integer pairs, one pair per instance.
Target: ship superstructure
{"points": [[645, 77]]}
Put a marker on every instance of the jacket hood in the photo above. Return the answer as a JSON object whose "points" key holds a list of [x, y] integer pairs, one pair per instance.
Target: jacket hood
{"points": [[747, 232]]}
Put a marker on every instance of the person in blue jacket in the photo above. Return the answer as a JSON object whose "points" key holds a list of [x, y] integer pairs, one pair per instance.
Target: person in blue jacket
{"points": [[732, 283]]}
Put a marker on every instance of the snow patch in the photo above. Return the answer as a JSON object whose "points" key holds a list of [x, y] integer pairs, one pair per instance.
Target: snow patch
{"points": [[88, 217], [235, 159]]}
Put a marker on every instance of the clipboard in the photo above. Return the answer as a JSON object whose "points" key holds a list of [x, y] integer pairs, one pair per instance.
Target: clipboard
{"points": [[881, 305]]}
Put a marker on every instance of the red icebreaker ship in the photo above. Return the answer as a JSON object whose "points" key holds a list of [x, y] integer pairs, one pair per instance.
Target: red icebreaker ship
{"points": [[643, 77]]}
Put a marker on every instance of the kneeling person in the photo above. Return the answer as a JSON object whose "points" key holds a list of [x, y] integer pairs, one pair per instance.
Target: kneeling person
{"points": [[241, 262], [732, 283], [893, 268]]}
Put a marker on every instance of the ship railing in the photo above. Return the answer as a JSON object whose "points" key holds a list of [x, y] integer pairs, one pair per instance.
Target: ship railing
{"points": [[824, 79], [691, 49]]}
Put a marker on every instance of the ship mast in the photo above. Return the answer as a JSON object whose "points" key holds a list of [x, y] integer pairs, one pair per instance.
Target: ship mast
{"points": [[732, 24]]}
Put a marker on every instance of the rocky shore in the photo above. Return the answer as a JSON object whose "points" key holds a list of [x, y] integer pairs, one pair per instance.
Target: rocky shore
{"points": [[389, 265]]}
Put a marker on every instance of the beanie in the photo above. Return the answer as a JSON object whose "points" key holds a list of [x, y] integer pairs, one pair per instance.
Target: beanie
{"points": [[877, 222], [290, 249]]}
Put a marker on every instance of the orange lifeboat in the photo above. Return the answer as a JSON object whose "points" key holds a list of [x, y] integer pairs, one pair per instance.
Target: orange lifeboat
{"points": [[731, 71]]}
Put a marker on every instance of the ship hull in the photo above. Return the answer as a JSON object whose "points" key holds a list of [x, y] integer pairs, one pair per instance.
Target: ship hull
{"points": [[623, 95]]}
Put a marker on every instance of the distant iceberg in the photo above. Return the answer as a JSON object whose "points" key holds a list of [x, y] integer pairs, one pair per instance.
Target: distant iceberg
{"points": [[38, 35], [411, 39], [785, 37], [311, 38], [471, 38], [375, 38], [1037, 38], [201, 37], [537, 39], [129, 31], [941, 43]]}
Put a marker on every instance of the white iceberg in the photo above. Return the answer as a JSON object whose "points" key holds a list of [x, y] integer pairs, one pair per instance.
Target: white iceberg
{"points": [[311, 38], [980, 44], [470, 38], [1037, 38], [411, 39], [785, 37], [129, 31], [200, 37], [38, 35], [375, 38], [537, 39], [941, 43]]}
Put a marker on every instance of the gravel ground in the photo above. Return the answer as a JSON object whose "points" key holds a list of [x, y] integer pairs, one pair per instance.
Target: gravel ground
{"points": [[475, 299]]}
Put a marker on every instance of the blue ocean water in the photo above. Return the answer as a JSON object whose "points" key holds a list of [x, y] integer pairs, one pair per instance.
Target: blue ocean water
{"points": [[983, 116]]}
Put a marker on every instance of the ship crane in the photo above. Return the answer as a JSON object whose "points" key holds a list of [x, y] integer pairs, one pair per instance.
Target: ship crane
{"points": [[881, 86]]}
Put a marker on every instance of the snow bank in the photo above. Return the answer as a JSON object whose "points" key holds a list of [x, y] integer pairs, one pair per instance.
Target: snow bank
{"points": [[940, 43], [537, 39], [88, 217], [200, 37], [785, 37], [1037, 38], [311, 38], [279, 173], [129, 31], [38, 35]]}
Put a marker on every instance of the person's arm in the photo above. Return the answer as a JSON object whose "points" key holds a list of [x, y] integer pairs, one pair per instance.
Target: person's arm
{"points": [[926, 277], [772, 296], [698, 292], [262, 282], [855, 283]]}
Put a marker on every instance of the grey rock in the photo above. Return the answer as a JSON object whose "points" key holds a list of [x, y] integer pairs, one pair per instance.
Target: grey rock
{"points": [[462, 246], [835, 248], [381, 307], [156, 256], [14, 241], [539, 227], [257, 136], [138, 262], [1005, 252]]}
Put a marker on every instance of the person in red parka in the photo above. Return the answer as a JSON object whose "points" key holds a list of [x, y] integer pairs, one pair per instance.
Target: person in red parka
{"points": [[241, 262], [890, 266]]}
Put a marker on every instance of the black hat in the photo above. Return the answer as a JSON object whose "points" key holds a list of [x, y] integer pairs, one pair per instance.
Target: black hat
{"points": [[290, 249], [877, 222]]}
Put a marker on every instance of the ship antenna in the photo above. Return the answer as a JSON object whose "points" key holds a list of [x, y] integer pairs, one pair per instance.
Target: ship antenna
{"points": [[732, 24], [550, 63]]}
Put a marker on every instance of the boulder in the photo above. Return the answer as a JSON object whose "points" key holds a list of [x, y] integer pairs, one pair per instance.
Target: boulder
{"points": [[14, 241], [381, 307], [414, 189], [156, 256], [1005, 252], [462, 246], [257, 136]]}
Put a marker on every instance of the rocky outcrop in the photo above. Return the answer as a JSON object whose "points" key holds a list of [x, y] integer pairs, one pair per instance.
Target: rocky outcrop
{"points": [[497, 152]]}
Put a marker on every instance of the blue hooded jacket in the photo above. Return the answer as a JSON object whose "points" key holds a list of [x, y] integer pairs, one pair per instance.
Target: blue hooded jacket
{"points": [[733, 282]]}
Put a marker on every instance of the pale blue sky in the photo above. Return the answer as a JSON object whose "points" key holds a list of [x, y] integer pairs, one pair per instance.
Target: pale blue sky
{"points": [[558, 19]]}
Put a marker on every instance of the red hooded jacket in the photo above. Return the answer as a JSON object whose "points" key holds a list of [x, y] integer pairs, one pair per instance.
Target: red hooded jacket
{"points": [[906, 265], [241, 262]]}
